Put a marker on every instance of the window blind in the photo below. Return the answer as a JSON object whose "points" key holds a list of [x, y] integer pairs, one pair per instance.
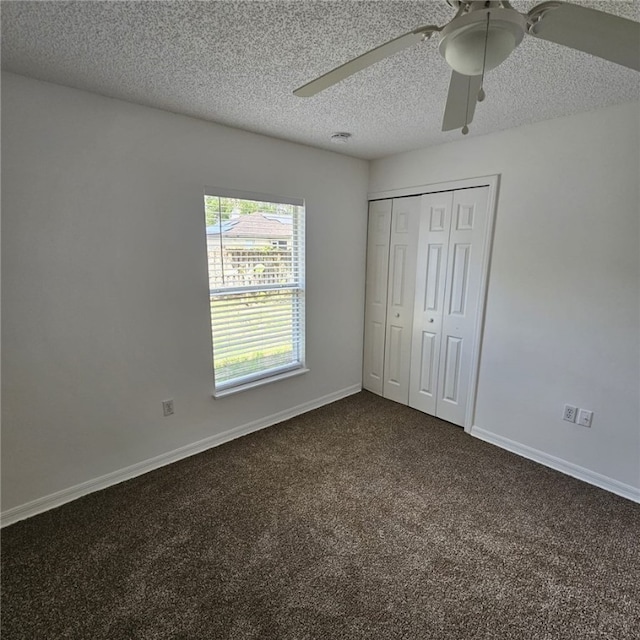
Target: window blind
{"points": [[255, 254]]}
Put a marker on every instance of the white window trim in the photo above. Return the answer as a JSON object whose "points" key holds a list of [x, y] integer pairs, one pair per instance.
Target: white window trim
{"points": [[250, 195], [288, 371], [221, 393]]}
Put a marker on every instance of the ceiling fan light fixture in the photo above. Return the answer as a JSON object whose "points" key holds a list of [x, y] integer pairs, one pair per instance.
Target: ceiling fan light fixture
{"points": [[464, 52], [462, 43]]}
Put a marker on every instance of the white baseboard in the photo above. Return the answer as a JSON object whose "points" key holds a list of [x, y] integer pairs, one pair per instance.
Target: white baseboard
{"points": [[59, 498], [573, 470]]}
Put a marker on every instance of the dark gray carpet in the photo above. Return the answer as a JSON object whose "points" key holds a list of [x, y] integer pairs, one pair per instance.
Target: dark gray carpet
{"points": [[362, 519]]}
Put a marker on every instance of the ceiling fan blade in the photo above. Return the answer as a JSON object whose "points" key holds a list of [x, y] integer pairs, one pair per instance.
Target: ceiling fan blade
{"points": [[595, 32], [461, 101], [365, 60]]}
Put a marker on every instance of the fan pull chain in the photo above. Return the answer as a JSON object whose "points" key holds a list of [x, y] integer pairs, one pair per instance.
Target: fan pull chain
{"points": [[481, 93], [465, 129]]}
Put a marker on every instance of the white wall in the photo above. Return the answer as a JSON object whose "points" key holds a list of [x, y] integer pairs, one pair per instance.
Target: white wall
{"points": [[562, 315], [104, 281], [104, 284]]}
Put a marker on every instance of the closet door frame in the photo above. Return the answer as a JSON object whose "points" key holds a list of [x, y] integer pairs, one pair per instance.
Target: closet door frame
{"points": [[493, 182]]}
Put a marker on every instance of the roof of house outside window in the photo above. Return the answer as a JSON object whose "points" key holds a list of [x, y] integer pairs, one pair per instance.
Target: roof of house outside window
{"points": [[254, 225]]}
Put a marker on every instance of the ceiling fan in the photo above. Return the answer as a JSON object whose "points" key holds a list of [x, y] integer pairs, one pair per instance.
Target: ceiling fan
{"points": [[482, 35]]}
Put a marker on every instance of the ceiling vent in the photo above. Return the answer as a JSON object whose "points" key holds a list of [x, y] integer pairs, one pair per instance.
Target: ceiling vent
{"points": [[342, 137]]}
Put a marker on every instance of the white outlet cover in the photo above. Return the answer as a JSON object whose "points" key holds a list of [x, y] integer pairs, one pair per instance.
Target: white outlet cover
{"points": [[167, 407], [570, 413]]}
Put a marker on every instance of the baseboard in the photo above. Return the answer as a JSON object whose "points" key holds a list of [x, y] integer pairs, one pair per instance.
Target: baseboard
{"points": [[59, 498], [573, 470]]}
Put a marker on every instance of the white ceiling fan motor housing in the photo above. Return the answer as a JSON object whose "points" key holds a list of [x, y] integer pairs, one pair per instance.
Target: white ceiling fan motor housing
{"points": [[462, 41]]}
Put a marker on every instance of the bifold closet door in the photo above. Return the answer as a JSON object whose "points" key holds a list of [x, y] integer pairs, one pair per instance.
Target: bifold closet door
{"points": [[431, 274], [375, 315], [451, 257], [405, 222]]}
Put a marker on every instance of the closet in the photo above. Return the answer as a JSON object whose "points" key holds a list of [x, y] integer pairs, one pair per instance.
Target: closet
{"points": [[426, 267]]}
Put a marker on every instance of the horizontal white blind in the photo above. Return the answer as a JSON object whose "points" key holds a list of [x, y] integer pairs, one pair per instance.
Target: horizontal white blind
{"points": [[256, 280]]}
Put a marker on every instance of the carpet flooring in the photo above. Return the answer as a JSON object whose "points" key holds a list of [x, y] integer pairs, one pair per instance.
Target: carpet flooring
{"points": [[361, 519]]}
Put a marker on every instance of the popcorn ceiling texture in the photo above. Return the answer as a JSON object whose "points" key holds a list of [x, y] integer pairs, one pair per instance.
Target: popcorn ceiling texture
{"points": [[237, 63]]}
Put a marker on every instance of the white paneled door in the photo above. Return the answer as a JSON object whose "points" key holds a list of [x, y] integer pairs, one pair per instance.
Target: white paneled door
{"points": [[431, 275], [405, 220], [448, 301], [426, 269], [376, 294]]}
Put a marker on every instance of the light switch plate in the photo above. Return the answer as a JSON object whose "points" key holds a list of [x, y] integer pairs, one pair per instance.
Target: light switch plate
{"points": [[585, 417]]}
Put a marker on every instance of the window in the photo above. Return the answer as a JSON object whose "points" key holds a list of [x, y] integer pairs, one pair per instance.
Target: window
{"points": [[255, 248]]}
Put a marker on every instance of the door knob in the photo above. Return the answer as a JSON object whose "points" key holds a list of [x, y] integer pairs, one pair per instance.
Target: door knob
{"points": [[397, 315], [430, 319]]}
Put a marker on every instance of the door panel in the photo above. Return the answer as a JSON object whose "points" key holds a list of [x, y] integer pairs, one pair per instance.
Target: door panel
{"points": [[451, 366], [464, 217], [459, 279], [399, 271], [400, 218], [462, 292], [376, 347], [439, 216], [434, 280], [428, 364], [433, 248], [379, 284], [405, 220], [394, 368], [376, 294]]}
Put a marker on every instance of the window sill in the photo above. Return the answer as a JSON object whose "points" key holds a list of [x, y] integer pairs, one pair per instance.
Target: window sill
{"points": [[258, 383]]}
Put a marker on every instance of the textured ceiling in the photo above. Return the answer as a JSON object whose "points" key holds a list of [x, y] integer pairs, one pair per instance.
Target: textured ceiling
{"points": [[237, 63]]}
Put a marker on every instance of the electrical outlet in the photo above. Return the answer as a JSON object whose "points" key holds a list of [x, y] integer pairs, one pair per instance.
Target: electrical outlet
{"points": [[585, 417], [167, 407], [570, 413]]}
